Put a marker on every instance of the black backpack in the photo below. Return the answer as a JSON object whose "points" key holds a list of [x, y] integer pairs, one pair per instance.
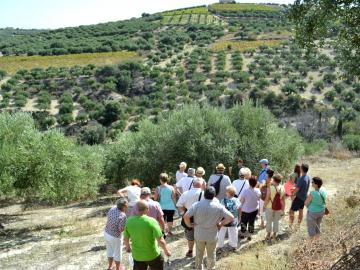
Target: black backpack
{"points": [[216, 185]]}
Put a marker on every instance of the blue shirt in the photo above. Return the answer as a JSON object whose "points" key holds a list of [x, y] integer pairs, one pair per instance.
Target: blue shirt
{"points": [[232, 205], [166, 201], [262, 175], [303, 184]]}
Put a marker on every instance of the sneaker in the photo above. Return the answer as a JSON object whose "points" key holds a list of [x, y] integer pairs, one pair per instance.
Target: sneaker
{"points": [[219, 250], [189, 254]]}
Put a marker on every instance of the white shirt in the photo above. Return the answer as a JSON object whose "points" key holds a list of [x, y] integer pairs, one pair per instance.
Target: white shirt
{"points": [[185, 183], [240, 184], [251, 197], [180, 175], [188, 198], [133, 194]]}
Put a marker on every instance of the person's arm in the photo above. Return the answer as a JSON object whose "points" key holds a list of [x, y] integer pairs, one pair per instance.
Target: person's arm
{"points": [[187, 216], [163, 245], [179, 189], [173, 196], [121, 192], [161, 223], [308, 200], [156, 194], [127, 245], [267, 198]]}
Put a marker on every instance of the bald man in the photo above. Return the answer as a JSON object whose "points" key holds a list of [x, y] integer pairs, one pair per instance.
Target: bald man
{"points": [[146, 237]]}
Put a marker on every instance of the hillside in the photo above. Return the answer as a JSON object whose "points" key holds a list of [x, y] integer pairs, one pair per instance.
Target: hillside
{"points": [[217, 55]]}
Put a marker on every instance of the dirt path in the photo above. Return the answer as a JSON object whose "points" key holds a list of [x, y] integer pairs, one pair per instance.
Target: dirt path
{"points": [[70, 237]]}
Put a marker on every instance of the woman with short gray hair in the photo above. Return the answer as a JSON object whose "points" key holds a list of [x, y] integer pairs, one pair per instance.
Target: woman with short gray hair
{"points": [[116, 219]]}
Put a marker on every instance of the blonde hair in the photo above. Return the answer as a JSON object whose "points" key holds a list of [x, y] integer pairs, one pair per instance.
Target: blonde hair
{"points": [[183, 165], [231, 190], [246, 172]]}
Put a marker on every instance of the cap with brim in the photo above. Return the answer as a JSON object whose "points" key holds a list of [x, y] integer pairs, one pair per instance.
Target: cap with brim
{"points": [[145, 191], [220, 167], [264, 161]]}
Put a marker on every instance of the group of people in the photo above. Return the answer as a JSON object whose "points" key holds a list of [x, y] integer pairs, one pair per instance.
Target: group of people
{"points": [[208, 211]]}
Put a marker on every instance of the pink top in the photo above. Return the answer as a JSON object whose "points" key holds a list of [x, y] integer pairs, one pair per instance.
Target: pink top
{"points": [[289, 187], [154, 210], [115, 222]]}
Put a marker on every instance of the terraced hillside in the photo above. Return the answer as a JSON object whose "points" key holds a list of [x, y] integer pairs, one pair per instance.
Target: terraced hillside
{"points": [[244, 52]]}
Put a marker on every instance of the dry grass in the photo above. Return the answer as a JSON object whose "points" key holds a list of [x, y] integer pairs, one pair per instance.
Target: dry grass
{"points": [[243, 45], [13, 63]]}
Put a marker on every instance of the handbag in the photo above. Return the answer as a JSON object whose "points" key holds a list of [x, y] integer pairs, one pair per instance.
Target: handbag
{"points": [[327, 212], [183, 224]]}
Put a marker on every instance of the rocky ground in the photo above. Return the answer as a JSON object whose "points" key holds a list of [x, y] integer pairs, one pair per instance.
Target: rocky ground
{"points": [[70, 237]]}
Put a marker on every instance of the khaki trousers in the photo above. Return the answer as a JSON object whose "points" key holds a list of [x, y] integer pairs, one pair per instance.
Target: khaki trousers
{"points": [[210, 251]]}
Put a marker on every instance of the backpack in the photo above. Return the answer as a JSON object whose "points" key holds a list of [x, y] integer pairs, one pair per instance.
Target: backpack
{"points": [[277, 203], [216, 185], [263, 191]]}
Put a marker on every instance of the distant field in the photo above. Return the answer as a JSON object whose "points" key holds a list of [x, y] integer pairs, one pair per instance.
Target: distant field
{"points": [[186, 18], [243, 45], [242, 7], [196, 10], [13, 63]]}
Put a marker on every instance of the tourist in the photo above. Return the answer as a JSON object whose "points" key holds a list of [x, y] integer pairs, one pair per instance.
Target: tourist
{"points": [[300, 192], [116, 219], [274, 206], [219, 181], [232, 204], [209, 217], [290, 185], [186, 183], [155, 210], [186, 200], [316, 204], [181, 172], [264, 163], [297, 170], [132, 192], [200, 173], [146, 237], [237, 168], [166, 196], [242, 183], [249, 202]]}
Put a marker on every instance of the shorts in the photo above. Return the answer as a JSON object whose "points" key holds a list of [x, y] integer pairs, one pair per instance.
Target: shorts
{"points": [[189, 235], [156, 264], [297, 204], [113, 246], [169, 215]]}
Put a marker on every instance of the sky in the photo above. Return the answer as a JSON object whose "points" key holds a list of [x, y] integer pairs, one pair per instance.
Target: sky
{"points": [[51, 14]]}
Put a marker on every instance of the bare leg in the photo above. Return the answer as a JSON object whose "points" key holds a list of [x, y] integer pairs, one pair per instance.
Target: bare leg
{"points": [[301, 214], [291, 217], [110, 261], [191, 245], [169, 227], [117, 265]]}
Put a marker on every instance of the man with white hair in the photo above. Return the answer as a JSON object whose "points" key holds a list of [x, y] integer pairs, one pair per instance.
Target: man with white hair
{"points": [[181, 172], [186, 200], [155, 210], [186, 183], [242, 183]]}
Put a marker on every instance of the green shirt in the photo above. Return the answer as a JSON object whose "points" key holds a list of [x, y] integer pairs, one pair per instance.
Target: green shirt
{"points": [[143, 232], [317, 203]]}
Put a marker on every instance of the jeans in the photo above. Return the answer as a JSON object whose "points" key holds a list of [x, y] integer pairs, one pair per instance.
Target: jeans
{"points": [[313, 222], [210, 251], [272, 220], [233, 236]]}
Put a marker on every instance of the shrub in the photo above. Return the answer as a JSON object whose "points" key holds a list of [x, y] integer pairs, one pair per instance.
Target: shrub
{"points": [[352, 142], [45, 165], [93, 135], [201, 136]]}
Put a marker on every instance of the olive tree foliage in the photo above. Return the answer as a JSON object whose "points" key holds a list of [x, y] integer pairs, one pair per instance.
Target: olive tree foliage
{"points": [[47, 165], [318, 19], [201, 136]]}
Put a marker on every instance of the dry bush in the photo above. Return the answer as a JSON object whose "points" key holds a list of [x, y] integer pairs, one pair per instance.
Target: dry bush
{"points": [[338, 151], [340, 233]]}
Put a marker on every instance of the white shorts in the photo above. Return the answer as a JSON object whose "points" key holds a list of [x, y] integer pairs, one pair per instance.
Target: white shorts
{"points": [[114, 246]]}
